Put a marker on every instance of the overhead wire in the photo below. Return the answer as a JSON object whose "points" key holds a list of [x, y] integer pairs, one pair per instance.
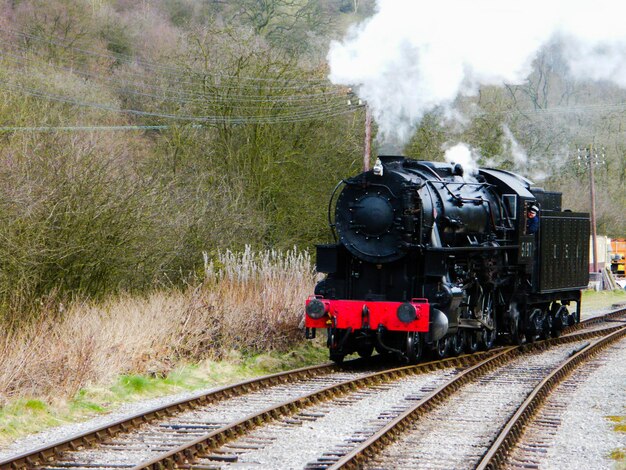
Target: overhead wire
{"points": [[312, 113], [81, 128], [199, 98], [272, 91], [570, 109], [285, 107], [144, 83], [152, 65]]}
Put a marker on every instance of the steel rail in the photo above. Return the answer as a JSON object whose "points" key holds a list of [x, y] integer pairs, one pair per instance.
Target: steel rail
{"points": [[620, 311], [386, 435], [506, 441], [202, 446]]}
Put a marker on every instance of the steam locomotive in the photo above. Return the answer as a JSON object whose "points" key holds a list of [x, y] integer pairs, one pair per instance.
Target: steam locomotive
{"points": [[428, 257]]}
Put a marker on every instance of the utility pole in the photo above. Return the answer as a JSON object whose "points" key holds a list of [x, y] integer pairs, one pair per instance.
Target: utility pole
{"points": [[592, 190], [591, 159], [368, 138]]}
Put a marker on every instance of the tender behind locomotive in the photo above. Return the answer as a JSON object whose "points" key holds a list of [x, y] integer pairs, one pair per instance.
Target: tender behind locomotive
{"points": [[427, 255]]}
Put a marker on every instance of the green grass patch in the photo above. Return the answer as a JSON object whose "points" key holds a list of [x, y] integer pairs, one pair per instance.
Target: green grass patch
{"points": [[26, 416], [619, 455], [619, 423], [616, 419], [596, 300]]}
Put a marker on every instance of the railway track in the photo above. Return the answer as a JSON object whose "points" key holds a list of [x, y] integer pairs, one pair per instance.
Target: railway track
{"points": [[531, 431], [429, 436], [214, 429], [133, 440]]}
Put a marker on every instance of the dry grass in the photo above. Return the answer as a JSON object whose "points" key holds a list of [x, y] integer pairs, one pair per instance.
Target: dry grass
{"points": [[248, 301]]}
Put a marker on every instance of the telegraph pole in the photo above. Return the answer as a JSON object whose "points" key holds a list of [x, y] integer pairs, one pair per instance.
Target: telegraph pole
{"points": [[592, 190], [591, 159]]}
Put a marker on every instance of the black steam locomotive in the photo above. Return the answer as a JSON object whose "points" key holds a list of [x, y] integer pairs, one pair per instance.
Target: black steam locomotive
{"points": [[430, 256]]}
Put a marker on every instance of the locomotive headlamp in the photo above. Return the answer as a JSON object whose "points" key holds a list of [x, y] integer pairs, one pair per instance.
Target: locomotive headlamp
{"points": [[378, 168], [406, 313], [315, 309]]}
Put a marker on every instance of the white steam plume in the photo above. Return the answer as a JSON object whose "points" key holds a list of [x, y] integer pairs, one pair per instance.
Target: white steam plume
{"points": [[413, 56], [520, 158], [466, 156]]}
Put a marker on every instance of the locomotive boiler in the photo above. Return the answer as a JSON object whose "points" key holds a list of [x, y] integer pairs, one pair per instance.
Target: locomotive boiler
{"points": [[428, 256]]}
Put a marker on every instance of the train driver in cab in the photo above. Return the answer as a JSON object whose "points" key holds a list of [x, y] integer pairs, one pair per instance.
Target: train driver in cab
{"points": [[532, 220]]}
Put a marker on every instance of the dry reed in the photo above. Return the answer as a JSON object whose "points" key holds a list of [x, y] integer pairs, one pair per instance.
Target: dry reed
{"points": [[247, 301]]}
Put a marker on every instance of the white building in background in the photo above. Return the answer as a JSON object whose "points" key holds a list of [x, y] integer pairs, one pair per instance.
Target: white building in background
{"points": [[604, 249]]}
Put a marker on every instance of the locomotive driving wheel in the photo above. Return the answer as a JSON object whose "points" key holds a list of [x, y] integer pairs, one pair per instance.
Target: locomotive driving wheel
{"points": [[441, 348], [515, 324], [471, 341], [516, 330], [536, 321], [489, 331], [457, 342]]}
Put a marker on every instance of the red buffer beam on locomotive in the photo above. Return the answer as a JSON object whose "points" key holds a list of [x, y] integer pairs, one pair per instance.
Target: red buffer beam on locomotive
{"points": [[359, 314]]}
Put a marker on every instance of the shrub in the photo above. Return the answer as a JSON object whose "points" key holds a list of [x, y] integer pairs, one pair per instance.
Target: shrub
{"points": [[249, 301]]}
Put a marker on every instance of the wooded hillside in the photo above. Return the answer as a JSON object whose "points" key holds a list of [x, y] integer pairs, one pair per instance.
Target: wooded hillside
{"points": [[138, 135]]}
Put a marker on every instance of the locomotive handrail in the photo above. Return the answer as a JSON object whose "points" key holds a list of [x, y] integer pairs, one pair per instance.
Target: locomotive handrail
{"points": [[503, 207], [446, 249], [368, 184], [331, 225], [429, 169]]}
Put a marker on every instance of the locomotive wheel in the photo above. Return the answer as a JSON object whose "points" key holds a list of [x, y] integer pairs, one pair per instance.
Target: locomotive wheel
{"points": [[331, 338], [488, 337], [535, 325], [471, 341], [414, 347], [516, 333], [337, 358], [441, 347], [555, 328], [557, 322], [546, 327], [332, 346], [365, 350], [457, 342]]}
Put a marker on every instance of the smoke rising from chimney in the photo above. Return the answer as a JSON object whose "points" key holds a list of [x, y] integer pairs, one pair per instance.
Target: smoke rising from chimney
{"points": [[414, 56], [464, 155]]}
